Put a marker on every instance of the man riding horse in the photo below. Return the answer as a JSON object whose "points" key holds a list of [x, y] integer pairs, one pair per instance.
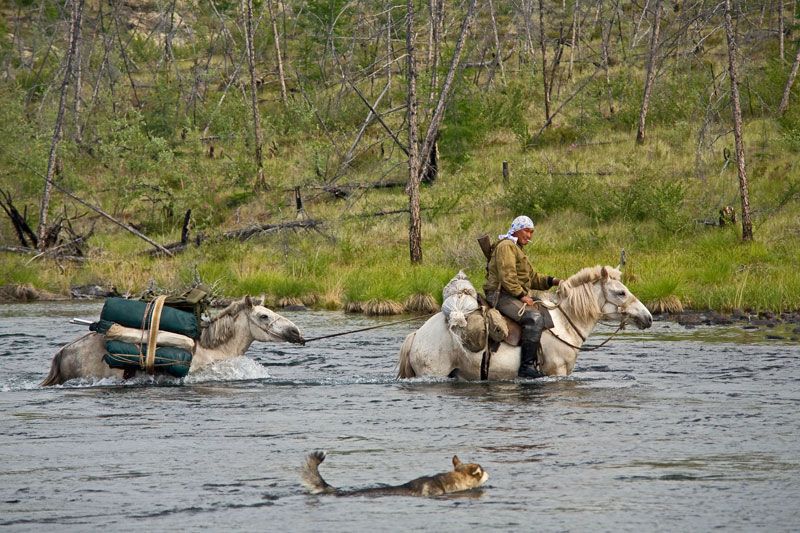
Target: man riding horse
{"points": [[510, 278]]}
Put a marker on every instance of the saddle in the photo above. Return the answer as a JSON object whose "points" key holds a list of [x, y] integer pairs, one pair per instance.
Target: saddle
{"points": [[515, 330]]}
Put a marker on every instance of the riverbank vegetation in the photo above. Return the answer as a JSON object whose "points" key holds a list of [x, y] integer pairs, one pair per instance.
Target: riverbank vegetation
{"points": [[319, 213]]}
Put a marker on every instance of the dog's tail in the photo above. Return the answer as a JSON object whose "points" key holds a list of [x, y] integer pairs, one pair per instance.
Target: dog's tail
{"points": [[309, 475]]}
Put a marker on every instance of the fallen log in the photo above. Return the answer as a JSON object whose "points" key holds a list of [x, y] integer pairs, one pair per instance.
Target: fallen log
{"points": [[246, 233]]}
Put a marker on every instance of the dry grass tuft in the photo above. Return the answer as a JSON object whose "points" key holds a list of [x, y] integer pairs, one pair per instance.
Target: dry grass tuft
{"points": [[354, 307], [290, 301], [421, 303], [311, 299], [668, 304], [377, 307]]}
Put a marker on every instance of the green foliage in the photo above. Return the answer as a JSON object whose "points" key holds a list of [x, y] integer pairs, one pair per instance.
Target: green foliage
{"points": [[641, 199]]}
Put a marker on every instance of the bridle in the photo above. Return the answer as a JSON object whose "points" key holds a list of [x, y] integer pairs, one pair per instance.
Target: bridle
{"points": [[620, 311], [268, 329]]}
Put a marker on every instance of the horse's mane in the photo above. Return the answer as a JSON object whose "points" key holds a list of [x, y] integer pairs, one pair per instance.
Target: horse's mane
{"points": [[221, 328], [576, 294]]}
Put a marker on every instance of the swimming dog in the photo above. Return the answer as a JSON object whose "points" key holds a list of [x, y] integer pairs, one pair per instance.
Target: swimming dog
{"points": [[464, 476]]}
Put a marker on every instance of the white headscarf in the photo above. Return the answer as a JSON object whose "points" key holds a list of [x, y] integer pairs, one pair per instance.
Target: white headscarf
{"points": [[521, 222]]}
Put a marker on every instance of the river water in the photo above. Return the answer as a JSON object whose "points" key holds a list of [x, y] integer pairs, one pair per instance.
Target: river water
{"points": [[671, 429]]}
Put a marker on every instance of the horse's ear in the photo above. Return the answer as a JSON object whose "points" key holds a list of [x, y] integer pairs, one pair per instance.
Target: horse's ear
{"points": [[260, 300], [248, 301], [604, 273], [456, 461]]}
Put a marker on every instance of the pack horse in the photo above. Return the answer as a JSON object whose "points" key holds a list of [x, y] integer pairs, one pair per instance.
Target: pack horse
{"points": [[229, 334], [592, 295]]}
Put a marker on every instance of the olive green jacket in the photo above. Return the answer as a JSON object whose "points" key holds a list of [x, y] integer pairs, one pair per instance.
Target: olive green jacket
{"points": [[510, 269]]}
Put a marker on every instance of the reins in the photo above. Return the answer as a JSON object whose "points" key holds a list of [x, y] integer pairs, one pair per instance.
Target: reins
{"points": [[367, 329]]}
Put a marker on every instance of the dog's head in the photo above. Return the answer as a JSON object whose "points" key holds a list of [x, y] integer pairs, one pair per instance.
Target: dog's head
{"points": [[469, 475]]}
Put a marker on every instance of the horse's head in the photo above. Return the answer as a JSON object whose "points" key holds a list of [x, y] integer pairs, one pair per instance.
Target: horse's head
{"points": [[617, 303], [268, 326], [596, 293]]}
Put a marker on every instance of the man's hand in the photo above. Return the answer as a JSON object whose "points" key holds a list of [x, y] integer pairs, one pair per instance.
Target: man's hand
{"points": [[527, 300]]}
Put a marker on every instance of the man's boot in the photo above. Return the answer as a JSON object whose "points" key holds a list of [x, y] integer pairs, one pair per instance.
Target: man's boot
{"points": [[531, 337], [527, 367]]}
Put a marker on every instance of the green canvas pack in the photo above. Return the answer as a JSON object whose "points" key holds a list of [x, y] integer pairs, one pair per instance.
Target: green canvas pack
{"points": [[173, 361]]}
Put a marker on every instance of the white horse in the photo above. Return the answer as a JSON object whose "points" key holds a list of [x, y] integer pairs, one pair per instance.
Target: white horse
{"points": [[228, 335], [593, 294]]}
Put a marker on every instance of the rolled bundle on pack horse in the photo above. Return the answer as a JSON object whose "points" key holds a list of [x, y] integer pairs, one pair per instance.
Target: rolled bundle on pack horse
{"points": [[169, 335]]}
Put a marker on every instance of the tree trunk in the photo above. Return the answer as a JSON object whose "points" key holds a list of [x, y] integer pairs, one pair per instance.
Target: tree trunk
{"points": [[278, 56], [788, 88], [606, 38], [247, 11], [651, 72], [575, 36], [438, 114], [747, 226], [498, 61], [77, 76], [415, 224], [77, 12], [436, 9], [781, 45], [544, 63]]}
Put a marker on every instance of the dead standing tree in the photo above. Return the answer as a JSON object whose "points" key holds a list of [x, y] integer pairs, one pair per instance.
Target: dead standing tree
{"points": [[789, 82], [247, 14], [278, 56], [418, 159], [415, 224], [74, 34], [651, 72], [747, 226]]}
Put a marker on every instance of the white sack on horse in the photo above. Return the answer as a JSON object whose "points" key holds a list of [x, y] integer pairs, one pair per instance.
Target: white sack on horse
{"points": [[460, 284], [460, 299], [137, 336]]}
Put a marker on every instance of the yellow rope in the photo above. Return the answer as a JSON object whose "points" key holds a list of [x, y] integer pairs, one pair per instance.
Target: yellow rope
{"points": [[155, 322]]}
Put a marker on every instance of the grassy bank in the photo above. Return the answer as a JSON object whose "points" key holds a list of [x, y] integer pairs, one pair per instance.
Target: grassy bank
{"points": [[673, 253], [149, 154]]}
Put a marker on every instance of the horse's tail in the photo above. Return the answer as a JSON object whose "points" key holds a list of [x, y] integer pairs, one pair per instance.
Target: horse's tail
{"points": [[54, 377], [405, 370], [310, 476]]}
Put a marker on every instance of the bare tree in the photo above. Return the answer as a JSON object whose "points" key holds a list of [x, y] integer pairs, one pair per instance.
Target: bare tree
{"points": [[544, 63], [651, 72], [415, 224], [747, 226], [74, 32], [247, 12], [606, 38], [789, 82], [498, 61], [575, 37], [77, 77], [278, 56], [418, 157], [780, 29]]}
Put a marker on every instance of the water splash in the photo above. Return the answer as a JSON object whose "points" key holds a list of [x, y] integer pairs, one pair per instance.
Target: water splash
{"points": [[236, 369]]}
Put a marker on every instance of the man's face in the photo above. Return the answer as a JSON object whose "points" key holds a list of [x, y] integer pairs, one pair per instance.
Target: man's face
{"points": [[524, 236]]}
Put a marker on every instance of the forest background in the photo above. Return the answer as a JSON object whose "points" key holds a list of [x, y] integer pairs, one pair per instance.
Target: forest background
{"points": [[347, 154]]}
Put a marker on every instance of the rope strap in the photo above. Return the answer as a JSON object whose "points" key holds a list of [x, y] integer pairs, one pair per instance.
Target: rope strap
{"points": [[155, 321]]}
